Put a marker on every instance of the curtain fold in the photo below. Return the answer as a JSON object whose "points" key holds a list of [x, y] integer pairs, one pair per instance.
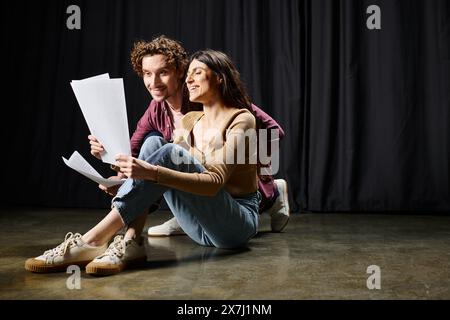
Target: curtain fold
{"points": [[366, 112]]}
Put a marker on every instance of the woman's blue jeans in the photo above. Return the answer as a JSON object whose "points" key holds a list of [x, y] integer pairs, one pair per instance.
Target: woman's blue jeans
{"points": [[222, 221]]}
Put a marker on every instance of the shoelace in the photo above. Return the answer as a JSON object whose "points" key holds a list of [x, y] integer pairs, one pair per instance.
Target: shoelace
{"points": [[116, 248], [69, 240]]}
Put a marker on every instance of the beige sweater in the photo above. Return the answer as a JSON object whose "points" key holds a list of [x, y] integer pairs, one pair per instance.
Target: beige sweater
{"points": [[237, 179]]}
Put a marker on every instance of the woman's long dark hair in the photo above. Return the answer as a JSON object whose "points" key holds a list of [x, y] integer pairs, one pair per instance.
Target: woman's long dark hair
{"points": [[232, 89]]}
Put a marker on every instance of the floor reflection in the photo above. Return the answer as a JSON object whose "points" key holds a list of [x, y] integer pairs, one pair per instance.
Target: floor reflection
{"points": [[176, 250]]}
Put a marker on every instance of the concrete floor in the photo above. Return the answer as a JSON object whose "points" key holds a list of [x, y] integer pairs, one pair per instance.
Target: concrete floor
{"points": [[319, 256]]}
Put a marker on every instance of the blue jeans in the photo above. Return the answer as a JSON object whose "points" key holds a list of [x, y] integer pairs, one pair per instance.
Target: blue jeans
{"points": [[222, 221]]}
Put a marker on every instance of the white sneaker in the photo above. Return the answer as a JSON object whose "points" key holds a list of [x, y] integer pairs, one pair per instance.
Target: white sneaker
{"points": [[119, 255], [72, 251], [168, 228], [279, 212]]}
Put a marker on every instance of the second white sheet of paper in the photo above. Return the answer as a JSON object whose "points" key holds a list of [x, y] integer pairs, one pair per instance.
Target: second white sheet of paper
{"points": [[102, 101]]}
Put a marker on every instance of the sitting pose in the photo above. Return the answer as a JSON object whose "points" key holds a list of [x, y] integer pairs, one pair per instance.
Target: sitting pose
{"points": [[170, 102], [213, 197]]}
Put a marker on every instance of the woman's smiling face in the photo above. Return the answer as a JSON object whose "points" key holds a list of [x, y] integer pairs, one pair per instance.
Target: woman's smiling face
{"points": [[202, 82]]}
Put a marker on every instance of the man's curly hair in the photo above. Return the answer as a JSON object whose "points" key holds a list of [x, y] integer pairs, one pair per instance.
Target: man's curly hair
{"points": [[173, 51]]}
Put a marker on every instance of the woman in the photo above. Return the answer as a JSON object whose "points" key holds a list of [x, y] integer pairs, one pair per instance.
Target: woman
{"points": [[215, 200]]}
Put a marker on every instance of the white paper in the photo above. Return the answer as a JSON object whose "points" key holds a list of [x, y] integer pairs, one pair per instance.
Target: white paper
{"points": [[100, 76], [79, 164], [102, 101]]}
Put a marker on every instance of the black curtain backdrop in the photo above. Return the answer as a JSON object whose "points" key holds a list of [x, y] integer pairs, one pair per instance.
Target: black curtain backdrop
{"points": [[366, 112]]}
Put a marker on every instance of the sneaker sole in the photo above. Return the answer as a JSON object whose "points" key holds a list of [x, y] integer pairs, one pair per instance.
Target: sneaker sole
{"points": [[176, 233], [282, 227], [95, 269], [286, 200], [38, 266]]}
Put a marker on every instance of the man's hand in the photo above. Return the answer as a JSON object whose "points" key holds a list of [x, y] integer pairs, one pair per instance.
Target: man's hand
{"points": [[112, 190], [136, 168], [96, 147]]}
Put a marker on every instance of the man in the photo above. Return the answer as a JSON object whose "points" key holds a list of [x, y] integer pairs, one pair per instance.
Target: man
{"points": [[162, 63]]}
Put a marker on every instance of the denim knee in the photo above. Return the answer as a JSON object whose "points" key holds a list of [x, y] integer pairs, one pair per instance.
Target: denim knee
{"points": [[172, 156], [150, 145]]}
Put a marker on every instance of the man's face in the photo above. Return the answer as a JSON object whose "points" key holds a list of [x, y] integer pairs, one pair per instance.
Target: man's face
{"points": [[160, 79]]}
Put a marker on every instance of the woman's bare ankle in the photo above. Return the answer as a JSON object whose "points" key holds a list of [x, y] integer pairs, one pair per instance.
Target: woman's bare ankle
{"points": [[92, 241]]}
